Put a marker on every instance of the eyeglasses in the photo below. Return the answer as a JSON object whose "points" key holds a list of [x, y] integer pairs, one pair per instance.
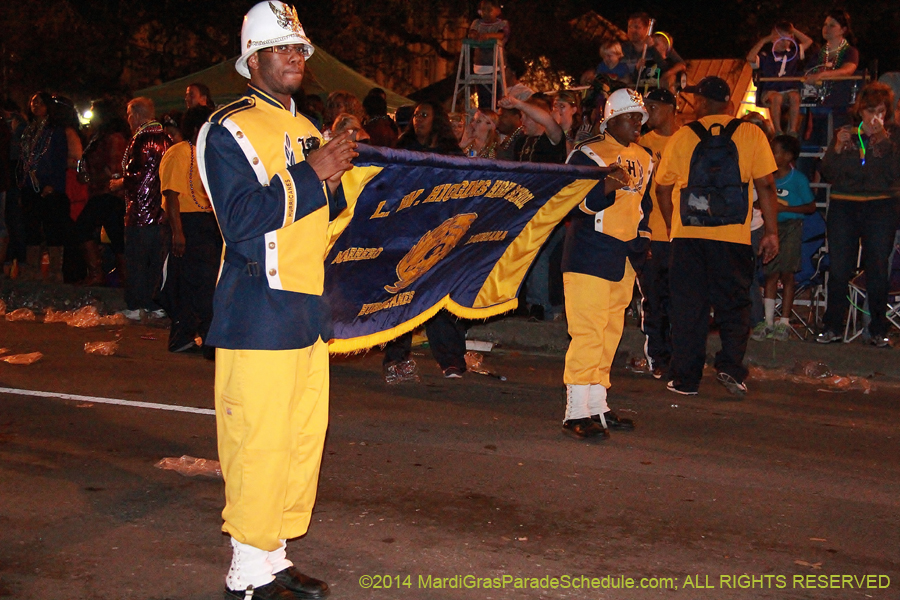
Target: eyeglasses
{"points": [[286, 49]]}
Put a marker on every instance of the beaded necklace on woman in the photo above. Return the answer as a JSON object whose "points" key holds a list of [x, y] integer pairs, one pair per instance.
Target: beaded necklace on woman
{"points": [[832, 58], [489, 150], [34, 144]]}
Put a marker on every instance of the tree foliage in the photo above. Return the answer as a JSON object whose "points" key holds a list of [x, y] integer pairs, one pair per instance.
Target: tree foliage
{"points": [[88, 48]]}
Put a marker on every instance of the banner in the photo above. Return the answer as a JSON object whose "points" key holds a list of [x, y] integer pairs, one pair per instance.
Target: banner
{"points": [[427, 232]]}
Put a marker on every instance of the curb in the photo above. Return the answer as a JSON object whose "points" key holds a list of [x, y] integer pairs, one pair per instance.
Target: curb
{"points": [[856, 358], [519, 333]]}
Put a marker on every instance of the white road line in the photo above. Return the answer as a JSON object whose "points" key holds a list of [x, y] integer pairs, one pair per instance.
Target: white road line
{"points": [[97, 400]]}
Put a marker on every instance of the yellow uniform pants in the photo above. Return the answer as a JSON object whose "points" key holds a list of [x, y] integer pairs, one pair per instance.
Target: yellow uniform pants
{"points": [[271, 418], [595, 311]]}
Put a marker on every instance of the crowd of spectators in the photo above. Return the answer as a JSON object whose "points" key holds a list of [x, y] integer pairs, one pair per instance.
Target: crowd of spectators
{"points": [[88, 204]]}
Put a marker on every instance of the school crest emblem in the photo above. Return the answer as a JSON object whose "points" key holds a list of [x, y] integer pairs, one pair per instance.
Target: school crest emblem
{"points": [[430, 249]]}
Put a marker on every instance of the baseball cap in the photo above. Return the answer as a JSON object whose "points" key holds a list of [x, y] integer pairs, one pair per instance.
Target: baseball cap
{"points": [[661, 95], [711, 87]]}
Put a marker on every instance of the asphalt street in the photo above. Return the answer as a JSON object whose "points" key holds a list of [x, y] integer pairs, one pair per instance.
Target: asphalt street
{"points": [[450, 489]]}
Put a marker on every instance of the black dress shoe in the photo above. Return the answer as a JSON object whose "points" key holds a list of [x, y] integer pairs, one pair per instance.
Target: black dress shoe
{"points": [[582, 429], [300, 585], [614, 422], [271, 591]]}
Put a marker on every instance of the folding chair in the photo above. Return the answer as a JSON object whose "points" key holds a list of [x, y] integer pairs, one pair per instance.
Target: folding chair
{"points": [[809, 289], [859, 315]]}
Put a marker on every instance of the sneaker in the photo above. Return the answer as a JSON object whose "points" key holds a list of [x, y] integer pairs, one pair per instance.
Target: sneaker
{"points": [[403, 371], [536, 312], [760, 332], [880, 341], [656, 368], [781, 332], [738, 388], [184, 347], [131, 315], [828, 337], [453, 373], [679, 389]]}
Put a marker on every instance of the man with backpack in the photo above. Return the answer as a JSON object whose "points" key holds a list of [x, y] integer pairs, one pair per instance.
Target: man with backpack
{"points": [[713, 162]]}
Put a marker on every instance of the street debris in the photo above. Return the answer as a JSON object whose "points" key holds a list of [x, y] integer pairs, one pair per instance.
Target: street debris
{"points": [[814, 373], [638, 364], [479, 346], [20, 314], [191, 466], [86, 316], [102, 348], [22, 359], [475, 364]]}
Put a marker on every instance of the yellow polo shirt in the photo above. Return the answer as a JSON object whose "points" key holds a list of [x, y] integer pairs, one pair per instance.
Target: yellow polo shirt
{"points": [[755, 160], [174, 176], [657, 144]]}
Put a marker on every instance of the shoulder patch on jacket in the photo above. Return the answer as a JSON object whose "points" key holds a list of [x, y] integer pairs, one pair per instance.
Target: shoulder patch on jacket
{"points": [[597, 138], [227, 111]]}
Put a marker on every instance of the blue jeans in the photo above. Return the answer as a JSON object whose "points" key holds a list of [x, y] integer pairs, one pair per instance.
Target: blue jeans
{"points": [[538, 285]]}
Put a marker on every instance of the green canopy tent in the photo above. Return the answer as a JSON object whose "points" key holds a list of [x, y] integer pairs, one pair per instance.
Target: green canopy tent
{"points": [[324, 74]]}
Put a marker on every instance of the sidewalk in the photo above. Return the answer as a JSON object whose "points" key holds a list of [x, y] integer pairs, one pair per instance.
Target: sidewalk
{"points": [[517, 333], [856, 358]]}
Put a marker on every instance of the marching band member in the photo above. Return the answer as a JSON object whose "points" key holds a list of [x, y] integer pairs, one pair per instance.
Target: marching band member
{"points": [[607, 240]]}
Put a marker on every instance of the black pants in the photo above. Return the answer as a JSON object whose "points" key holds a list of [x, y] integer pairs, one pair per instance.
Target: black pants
{"points": [[192, 279], [872, 223], [46, 218], [446, 337], [145, 250], [654, 282], [14, 225], [106, 211], [704, 274]]}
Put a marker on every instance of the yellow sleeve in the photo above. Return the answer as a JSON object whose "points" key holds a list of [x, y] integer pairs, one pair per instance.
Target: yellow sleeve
{"points": [[668, 169], [168, 168]]}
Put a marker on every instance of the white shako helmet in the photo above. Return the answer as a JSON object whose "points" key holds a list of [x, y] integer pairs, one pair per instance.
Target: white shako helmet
{"points": [[270, 23], [623, 101]]}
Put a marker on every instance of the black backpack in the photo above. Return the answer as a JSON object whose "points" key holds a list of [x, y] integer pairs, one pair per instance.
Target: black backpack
{"points": [[714, 194]]}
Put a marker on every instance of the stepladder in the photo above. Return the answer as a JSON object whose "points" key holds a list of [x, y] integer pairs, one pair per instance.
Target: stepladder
{"points": [[472, 76]]}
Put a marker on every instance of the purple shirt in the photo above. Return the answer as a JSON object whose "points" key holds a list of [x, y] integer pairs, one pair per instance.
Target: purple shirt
{"points": [[143, 199]]}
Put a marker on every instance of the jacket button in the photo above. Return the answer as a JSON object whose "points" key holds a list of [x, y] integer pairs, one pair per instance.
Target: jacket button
{"points": [[240, 135], [255, 160], [272, 272], [271, 245]]}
